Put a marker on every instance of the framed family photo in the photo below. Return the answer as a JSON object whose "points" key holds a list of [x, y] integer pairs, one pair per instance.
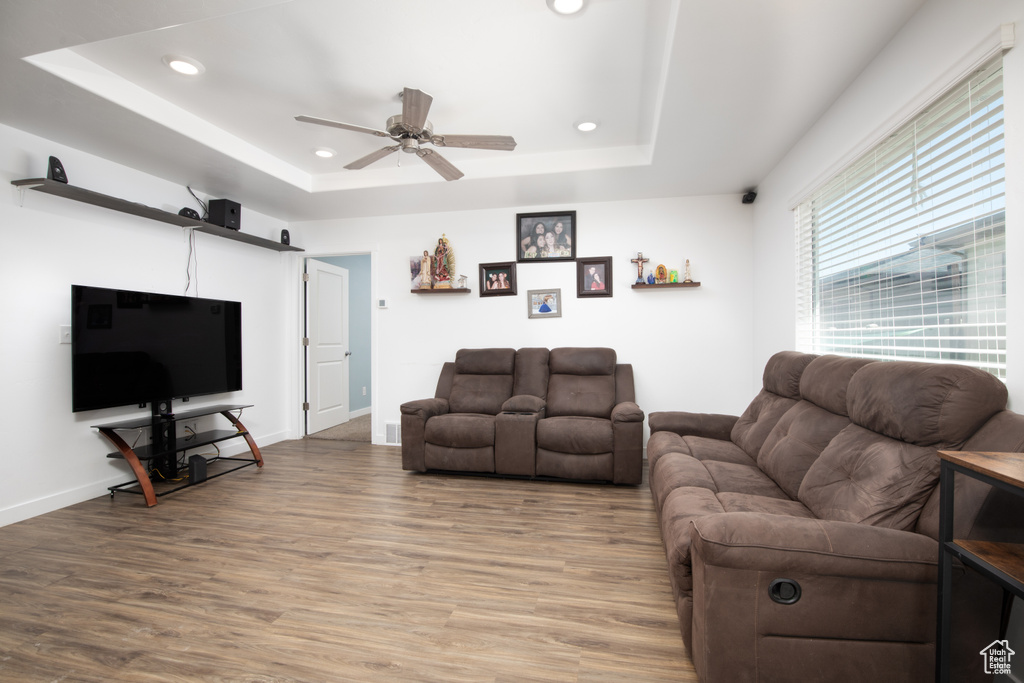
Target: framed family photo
{"points": [[544, 303], [546, 237], [498, 279], [594, 276]]}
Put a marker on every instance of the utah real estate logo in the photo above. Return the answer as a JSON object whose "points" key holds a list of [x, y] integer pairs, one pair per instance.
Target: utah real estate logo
{"points": [[996, 656]]}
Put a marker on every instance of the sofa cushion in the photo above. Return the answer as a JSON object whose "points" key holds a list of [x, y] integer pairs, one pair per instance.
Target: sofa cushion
{"points": [[758, 420], [577, 435], [586, 395], [927, 404], [532, 372], [479, 393], [732, 477], [826, 379], [870, 478], [485, 361], [796, 442], [460, 430], [582, 361], [783, 371]]}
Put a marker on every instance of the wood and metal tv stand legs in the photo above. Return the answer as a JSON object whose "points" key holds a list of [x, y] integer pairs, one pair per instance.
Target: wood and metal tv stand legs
{"points": [[161, 456]]}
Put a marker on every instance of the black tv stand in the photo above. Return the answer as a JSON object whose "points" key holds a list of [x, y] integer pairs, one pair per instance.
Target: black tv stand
{"points": [[161, 455]]}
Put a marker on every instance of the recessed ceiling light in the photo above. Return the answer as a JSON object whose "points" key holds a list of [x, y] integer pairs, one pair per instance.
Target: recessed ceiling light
{"points": [[586, 126], [184, 65], [565, 7], [324, 152]]}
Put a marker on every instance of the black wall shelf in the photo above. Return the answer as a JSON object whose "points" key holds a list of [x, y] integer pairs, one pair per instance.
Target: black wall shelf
{"points": [[79, 194]]}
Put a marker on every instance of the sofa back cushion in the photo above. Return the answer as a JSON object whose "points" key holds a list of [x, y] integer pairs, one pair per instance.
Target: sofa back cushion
{"points": [[581, 382], [532, 372], [483, 380], [882, 469], [780, 392], [805, 430]]}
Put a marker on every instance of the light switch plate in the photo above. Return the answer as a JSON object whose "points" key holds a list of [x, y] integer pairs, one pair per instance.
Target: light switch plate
{"points": [[65, 334]]}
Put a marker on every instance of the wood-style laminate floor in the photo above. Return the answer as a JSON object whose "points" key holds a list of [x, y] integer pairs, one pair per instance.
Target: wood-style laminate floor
{"points": [[332, 564]]}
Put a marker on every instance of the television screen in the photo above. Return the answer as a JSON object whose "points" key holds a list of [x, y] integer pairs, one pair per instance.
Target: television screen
{"points": [[137, 347]]}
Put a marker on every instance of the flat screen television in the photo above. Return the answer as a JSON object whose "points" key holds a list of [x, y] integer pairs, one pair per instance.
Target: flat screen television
{"points": [[134, 348]]}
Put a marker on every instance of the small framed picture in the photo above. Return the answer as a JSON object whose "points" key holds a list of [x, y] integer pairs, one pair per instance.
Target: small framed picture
{"points": [[546, 237], [544, 303], [594, 276], [498, 279]]}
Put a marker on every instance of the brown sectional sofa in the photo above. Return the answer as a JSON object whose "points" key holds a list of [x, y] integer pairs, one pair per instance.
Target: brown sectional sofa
{"points": [[566, 413], [801, 536]]}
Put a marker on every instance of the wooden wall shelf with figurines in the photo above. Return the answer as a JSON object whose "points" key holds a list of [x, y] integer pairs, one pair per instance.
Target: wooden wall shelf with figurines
{"points": [[435, 274], [660, 277], [451, 290]]}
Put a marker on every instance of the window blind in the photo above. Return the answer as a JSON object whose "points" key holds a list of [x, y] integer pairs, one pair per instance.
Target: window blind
{"points": [[902, 254]]}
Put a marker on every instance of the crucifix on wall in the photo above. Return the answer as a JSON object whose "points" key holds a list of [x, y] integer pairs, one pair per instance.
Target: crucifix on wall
{"points": [[639, 261]]}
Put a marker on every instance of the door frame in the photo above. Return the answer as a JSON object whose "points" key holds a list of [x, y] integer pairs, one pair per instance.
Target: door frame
{"points": [[376, 427]]}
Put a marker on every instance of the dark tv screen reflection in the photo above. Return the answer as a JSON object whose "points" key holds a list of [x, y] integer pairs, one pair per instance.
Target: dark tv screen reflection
{"points": [[131, 348]]}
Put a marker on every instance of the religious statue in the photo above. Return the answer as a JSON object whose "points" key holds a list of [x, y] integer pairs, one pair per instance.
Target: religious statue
{"points": [[686, 274], [444, 264], [661, 274], [426, 281], [639, 261]]}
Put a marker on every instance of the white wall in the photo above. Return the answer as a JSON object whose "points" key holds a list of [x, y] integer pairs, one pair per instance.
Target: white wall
{"points": [[691, 348], [921, 60], [50, 456]]}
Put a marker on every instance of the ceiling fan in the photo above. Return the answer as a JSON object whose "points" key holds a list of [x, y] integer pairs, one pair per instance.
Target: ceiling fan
{"points": [[410, 130]]}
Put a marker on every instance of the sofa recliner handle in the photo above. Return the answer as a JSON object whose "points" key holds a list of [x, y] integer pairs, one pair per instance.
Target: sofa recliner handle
{"points": [[784, 591]]}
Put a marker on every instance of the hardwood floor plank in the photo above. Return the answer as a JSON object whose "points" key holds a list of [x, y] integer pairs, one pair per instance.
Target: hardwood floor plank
{"points": [[333, 564]]}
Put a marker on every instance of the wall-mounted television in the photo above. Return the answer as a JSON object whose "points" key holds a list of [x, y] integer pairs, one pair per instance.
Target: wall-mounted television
{"points": [[134, 348]]}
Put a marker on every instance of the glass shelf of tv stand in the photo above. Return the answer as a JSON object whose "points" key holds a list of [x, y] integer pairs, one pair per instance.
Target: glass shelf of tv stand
{"points": [[147, 420]]}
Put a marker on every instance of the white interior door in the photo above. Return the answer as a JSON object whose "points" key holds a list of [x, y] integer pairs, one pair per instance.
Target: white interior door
{"points": [[327, 359]]}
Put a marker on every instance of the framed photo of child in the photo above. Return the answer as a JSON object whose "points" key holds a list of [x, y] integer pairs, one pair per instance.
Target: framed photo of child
{"points": [[546, 237], [544, 303]]}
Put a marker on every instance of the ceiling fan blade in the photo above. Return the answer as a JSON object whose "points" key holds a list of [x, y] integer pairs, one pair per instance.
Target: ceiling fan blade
{"points": [[440, 164], [415, 105], [372, 157], [504, 143], [339, 124]]}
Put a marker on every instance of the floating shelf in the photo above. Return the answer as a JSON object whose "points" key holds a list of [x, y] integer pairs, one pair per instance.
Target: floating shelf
{"points": [[79, 194], [452, 290], [667, 285]]}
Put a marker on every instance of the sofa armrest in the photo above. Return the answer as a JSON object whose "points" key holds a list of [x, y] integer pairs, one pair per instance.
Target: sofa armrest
{"points": [[425, 408], [627, 411], [838, 587], [710, 425], [524, 403], [414, 423]]}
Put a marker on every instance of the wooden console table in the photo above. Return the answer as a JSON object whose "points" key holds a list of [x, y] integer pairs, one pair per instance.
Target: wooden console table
{"points": [[166, 445], [1002, 563]]}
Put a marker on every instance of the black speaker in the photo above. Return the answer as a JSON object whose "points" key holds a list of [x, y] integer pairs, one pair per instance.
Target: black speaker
{"points": [[56, 171], [189, 213], [749, 197], [196, 469], [285, 237], [226, 213]]}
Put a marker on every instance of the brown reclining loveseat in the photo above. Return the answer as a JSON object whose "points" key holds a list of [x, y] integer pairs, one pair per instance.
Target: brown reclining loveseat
{"points": [[801, 536], [567, 413]]}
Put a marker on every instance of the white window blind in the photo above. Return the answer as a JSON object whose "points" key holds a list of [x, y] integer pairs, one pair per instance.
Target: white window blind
{"points": [[902, 254]]}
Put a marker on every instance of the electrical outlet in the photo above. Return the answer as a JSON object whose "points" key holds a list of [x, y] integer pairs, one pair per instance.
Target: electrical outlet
{"points": [[65, 334]]}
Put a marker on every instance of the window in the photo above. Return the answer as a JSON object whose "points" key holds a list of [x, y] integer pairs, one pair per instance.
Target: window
{"points": [[902, 255]]}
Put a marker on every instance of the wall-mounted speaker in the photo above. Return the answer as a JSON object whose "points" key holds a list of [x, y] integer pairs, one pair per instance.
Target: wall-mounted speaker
{"points": [[226, 213], [286, 238], [56, 171], [187, 212], [749, 197]]}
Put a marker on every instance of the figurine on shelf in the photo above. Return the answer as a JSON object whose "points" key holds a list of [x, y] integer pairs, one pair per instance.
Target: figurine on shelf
{"points": [[650, 278], [686, 275], [462, 282], [425, 278], [444, 264], [639, 261], [661, 274], [673, 276]]}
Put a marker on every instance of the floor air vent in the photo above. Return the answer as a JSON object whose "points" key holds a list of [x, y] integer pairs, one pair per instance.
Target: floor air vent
{"points": [[393, 433]]}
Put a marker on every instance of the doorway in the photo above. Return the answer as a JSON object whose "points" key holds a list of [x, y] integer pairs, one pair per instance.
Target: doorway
{"points": [[338, 379]]}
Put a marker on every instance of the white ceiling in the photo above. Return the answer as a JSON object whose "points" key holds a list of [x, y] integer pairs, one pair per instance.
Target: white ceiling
{"points": [[693, 97]]}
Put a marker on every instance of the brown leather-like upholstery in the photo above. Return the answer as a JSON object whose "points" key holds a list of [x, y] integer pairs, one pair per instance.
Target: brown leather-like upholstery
{"points": [[568, 413], [829, 479]]}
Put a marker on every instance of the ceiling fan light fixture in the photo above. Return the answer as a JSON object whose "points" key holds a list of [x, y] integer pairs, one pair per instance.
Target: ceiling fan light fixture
{"points": [[184, 65], [324, 152], [566, 7]]}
